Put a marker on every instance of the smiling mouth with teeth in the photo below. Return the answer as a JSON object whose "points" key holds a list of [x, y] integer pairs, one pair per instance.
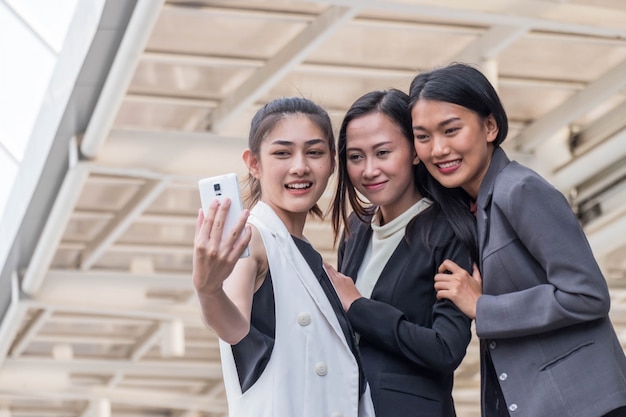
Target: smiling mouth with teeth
{"points": [[448, 164], [298, 186]]}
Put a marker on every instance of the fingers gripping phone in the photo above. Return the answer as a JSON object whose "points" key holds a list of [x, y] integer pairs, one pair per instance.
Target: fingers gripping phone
{"points": [[218, 188]]}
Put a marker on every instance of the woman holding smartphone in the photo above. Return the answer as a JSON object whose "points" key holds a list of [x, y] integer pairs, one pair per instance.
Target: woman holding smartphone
{"points": [[538, 297], [287, 348]]}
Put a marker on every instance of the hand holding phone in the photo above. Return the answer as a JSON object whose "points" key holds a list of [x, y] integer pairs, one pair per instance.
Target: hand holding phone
{"points": [[219, 188]]}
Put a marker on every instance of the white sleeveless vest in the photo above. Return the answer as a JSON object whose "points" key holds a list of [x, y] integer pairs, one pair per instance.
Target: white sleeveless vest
{"points": [[311, 371]]}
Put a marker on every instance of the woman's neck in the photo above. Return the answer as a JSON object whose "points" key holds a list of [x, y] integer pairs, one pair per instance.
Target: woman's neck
{"points": [[390, 212], [294, 222]]}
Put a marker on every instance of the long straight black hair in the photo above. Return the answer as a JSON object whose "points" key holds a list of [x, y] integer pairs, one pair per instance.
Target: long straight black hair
{"points": [[465, 86]]}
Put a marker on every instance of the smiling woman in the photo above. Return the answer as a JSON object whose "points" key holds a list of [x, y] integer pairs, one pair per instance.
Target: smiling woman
{"points": [[102, 250], [439, 128], [410, 342], [539, 298], [287, 348]]}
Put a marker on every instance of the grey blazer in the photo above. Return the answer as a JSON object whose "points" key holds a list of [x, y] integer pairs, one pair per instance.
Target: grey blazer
{"points": [[543, 315]]}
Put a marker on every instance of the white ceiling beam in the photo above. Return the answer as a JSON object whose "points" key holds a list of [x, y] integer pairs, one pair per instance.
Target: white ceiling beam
{"points": [[210, 394], [145, 249], [490, 44], [473, 16], [191, 386], [56, 223], [122, 70], [136, 397], [115, 379], [576, 106], [313, 68], [149, 218], [611, 200], [179, 156], [37, 322], [78, 319], [247, 63], [12, 319], [87, 411], [577, 39], [584, 33], [138, 248], [597, 184], [169, 218], [131, 173], [133, 209], [84, 339], [148, 368], [145, 342], [198, 60], [172, 339], [215, 391], [604, 126], [595, 160], [280, 64], [189, 413], [606, 233], [239, 13], [187, 313], [164, 99], [155, 138], [510, 34], [95, 279], [113, 339]]}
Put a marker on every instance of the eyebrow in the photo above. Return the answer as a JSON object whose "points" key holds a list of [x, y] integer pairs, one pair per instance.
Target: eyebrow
{"points": [[441, 124], [378, 145], [309, 142]]}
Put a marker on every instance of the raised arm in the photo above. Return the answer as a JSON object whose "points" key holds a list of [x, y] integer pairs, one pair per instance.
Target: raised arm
{"points": [[223, 282]]}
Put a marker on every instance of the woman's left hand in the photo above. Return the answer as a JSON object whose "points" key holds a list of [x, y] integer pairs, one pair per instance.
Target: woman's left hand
{"points": [[457, 285], [344, 285]]}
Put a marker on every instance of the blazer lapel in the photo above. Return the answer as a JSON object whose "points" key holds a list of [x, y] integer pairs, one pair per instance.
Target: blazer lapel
{"points": [[499, 160], [310, 281], [481, 224], [392, 271], [356, 251], [291, 254]]}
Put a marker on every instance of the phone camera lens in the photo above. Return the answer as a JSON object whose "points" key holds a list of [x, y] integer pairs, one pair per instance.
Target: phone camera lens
{"points": [[216, 187]]}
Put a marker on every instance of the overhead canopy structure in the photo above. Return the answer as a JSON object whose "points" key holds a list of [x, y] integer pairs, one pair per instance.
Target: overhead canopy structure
{"points": [[98, 312]]}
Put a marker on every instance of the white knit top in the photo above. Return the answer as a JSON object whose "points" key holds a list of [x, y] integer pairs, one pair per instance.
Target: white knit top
{"points": [[384, 241]]}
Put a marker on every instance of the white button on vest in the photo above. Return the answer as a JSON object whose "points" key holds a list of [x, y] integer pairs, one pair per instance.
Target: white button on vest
{"points": [[321, 369], [513, 407], [503, 376], [492, 345], [304, 319]]}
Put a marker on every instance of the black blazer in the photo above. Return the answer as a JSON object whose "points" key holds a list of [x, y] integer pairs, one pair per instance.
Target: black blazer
{"points": [[410, 343]]}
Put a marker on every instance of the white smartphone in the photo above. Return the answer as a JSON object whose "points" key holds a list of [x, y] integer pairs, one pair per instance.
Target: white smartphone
{"points": [[220, 187]]}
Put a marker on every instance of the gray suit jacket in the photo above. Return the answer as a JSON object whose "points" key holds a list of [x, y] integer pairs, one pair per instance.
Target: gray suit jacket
{"points": [[543, 315]]}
